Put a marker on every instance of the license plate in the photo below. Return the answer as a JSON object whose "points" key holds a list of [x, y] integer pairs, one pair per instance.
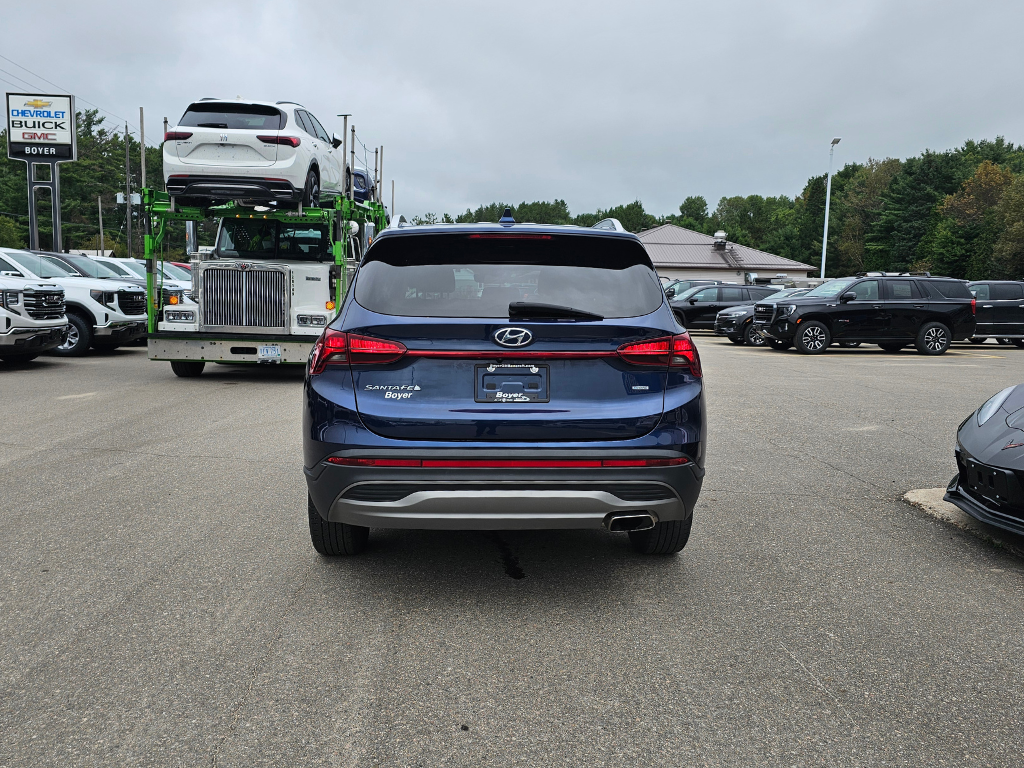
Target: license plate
{"points": [[512, 383], [269, 352]]}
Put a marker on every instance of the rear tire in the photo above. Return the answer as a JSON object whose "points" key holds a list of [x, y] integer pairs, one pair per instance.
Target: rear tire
{"points": [[664, 538], [933, 339], [752, 337], [737, 340], [79, 337], [332, 539], [311, 191], [813, 338], [779, 344], [979, 339], [891, 347], [187, 369]]}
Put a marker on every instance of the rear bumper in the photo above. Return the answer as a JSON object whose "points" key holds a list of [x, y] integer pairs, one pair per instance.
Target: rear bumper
{"points": [[233, 188], [500, 499], [32, 339]]}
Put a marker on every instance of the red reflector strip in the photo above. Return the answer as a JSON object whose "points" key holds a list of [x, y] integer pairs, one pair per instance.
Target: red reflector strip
{"points": [[508, 463], [497, 354]]}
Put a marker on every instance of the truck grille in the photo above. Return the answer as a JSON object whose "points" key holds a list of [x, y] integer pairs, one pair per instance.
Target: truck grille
{"points": [[44, 305], [132, 302], [763, 313], [253, 298]]}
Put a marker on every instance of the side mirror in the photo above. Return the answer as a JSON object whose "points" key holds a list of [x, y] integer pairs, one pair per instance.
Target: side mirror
{"points": [[693, 301], [335, 141], [670, 292], [847, 297]]}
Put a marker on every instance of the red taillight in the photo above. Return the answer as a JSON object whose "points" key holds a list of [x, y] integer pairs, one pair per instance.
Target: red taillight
{"points": [[508, 463], [672, 351], [177, 136], [335, 347], [974, 306], [291, 141], [364, 350], [331, 347]]}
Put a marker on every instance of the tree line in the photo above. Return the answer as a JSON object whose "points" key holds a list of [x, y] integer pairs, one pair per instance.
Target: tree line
{"points": [[959, 212]]}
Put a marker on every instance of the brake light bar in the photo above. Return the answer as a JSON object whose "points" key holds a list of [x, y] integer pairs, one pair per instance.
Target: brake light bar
{"points": [[338, 348], [291, 141], [346, 461], [508, 236], [177, 135]]}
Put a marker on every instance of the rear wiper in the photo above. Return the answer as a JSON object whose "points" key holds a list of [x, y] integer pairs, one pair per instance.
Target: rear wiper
{"points": [[212, 125], [531, 309]]}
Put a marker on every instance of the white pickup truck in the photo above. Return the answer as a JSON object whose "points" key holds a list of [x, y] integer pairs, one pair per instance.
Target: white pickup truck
{"points": [[32, 318]]}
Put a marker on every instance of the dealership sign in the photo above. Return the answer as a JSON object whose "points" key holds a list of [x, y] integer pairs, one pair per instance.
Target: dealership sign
{"points": [[40, 127]]}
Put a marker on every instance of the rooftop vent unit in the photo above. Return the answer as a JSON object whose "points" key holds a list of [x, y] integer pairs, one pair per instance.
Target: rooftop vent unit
{"points": [[720, 240]]}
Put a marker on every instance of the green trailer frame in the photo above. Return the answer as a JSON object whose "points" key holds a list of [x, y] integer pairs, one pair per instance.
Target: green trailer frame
{"points": [[158, 210]]}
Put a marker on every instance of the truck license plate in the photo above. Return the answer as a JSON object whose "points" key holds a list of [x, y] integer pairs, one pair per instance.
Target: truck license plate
{"points": [[270, 352]]}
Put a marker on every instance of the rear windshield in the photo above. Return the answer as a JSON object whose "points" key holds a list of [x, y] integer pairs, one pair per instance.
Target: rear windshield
{"points": [[479, 276], [233, 116], [268, 239], [946, 289]]}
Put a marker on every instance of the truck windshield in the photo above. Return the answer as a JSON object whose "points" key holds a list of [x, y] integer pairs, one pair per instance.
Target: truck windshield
{"points": [[41, 267], [268, 239]]}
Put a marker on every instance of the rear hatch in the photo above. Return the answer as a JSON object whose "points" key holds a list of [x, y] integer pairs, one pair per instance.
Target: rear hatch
{"points": [[506, 337], [229, 134]]}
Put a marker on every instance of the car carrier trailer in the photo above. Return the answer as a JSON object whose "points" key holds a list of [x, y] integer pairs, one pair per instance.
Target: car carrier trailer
{"points": [[272, 283]]}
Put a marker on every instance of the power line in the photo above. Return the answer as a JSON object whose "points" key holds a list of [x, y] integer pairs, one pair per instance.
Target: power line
{"points": [[50, 82]]}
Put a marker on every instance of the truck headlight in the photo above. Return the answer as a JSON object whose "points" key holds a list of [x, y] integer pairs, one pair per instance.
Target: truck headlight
{"points": [[787, 310], [106, 298], [179, 316], [9, 298]]}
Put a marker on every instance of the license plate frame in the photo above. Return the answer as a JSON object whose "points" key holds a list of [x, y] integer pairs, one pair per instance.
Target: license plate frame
{"points": [[523, 383], [268, 353]]}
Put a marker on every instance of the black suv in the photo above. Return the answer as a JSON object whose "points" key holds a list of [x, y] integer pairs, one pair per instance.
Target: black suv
{"points": [[1000, 311], [698, 306], [892, 311]]}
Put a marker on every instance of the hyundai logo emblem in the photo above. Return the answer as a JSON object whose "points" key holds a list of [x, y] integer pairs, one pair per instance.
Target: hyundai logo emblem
{"points": [[513, 337]]}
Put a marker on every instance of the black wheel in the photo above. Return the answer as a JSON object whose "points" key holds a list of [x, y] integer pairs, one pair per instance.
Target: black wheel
{"points": [[1018, 343], [79, 337], [933, 339], [738, 340], [752, 337], [892, 347], [979, 339], [813, 338], [187, 369], [311, 191], [336, 538], [779, 344], [849, 344], [665, 538], [18, 357]]}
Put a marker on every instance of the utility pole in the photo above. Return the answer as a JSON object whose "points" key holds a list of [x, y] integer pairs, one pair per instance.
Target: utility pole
{"points": [[380, 196], [376, 190], [344, 156], [99, 207], [828, 199], [128, 190], [352, 186], [142, 143]]}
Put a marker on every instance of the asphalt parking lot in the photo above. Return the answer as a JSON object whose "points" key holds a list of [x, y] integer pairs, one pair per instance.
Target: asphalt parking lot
{"points": [[162, 605]]}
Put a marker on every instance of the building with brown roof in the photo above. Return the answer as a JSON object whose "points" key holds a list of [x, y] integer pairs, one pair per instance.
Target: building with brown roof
{"points": [[682, 254]]}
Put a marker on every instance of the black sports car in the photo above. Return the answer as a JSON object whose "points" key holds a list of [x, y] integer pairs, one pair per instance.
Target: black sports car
{"points": [[990, 458]]}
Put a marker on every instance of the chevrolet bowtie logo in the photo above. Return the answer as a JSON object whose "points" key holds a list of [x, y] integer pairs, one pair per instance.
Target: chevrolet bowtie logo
{"points": [[38, 103]]}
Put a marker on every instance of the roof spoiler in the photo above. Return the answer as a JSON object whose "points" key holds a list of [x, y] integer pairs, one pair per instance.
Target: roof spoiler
{"points": [[612, 225]]}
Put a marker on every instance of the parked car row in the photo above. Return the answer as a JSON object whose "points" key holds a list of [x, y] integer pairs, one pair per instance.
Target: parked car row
{"points": [[892, 310], [69, 303]]}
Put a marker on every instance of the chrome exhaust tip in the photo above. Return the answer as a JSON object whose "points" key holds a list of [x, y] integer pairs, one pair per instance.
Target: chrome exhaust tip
{"points": [[629, 521]]}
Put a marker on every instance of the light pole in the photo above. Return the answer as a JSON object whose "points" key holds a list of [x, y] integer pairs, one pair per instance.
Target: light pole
{"points": [[828, 199]]}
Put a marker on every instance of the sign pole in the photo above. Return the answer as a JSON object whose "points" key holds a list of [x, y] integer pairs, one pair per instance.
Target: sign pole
{"points": [[128, 190], [99, 207]]}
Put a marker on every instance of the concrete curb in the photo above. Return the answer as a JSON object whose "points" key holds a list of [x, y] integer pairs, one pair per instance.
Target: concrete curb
{"points": [[929, 500]]}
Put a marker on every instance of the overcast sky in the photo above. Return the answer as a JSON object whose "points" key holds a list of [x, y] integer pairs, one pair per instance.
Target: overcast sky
{"points": [[597, 103]]}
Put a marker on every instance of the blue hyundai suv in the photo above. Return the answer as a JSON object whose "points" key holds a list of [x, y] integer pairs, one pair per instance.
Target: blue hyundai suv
{"points": [[504, 376]]}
